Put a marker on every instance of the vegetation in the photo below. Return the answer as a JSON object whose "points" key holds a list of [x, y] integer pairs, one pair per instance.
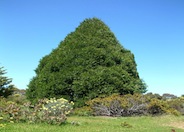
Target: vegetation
{"points": [[6, 88], [18, 115], [55, 110], [132, 105], [50, 111], [90, 62], [91, 68], [104, 124], [17, 110], [26, 117]]}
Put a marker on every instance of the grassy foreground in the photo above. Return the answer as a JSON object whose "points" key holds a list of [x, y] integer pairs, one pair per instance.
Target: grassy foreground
{"points": [[105, 124]]}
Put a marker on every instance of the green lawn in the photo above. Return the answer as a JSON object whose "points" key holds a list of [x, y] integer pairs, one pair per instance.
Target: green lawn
{"points": [[105, 124]]}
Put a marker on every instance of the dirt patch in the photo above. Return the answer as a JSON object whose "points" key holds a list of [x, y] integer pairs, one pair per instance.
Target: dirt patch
{"points": [[177, 124]]}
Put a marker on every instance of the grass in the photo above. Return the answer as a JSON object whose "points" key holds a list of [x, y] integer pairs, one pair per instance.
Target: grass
{"points": [[104, 124]]}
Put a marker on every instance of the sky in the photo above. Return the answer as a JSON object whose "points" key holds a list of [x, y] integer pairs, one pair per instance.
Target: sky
{"points": [[153, 30]]}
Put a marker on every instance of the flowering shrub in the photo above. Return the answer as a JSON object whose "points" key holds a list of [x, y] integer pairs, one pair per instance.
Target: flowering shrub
{"points": [[135, 105], [1, 120], [52, 111], [177, 104], [118, 105], [13, 112], [157, 107], [55, 110]]}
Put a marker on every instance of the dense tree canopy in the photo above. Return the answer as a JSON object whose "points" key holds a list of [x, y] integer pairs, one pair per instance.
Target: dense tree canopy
{"points": [[90, 62], [6, 88]]}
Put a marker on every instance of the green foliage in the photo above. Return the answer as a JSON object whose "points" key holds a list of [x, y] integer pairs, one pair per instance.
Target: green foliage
{"points": [[6, 88], [17, 98], [135, 105], [50, 111], [118, 105], [104, 124], [177, 104], [2, 125], [83, 111], [55, 111], [3, 103], [14, 112], [2, 122], [88, 63], [157, 107], [126, 125], [168, 96]]}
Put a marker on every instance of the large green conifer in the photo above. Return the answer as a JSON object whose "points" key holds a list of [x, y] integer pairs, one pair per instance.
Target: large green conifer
{"points": [[90, 62], [6, 88]]}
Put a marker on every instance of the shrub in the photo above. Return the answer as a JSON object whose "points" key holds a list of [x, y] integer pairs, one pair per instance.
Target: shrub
{"points": [[14, 112], [118, 105], [12, 107], [17, 98], [173, 111], [157, 107], [52, 111], [150, 96], [135, 105], [55, 110], [3, 103], [83, 111], [177, 104], [108, 106]]}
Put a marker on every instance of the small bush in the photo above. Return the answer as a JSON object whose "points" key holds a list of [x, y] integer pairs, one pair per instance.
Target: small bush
{"points": [[55, 110], [14, 112], [157, 107], [108, 106], [126, 125], [177, 104]]}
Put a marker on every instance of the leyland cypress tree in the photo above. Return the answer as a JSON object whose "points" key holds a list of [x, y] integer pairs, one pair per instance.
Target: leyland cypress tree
{"points": [[90, 62]]}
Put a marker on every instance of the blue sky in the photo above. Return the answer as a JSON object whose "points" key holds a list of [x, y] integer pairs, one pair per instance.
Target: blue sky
{"points": [[152, 29]]}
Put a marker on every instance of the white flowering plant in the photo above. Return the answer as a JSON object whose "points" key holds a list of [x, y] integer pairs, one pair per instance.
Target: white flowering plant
{"points": [[55, 110]]}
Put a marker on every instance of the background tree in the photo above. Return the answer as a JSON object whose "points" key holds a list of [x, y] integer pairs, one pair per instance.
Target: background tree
{"points": [[6, 88], [90, 62], [168, 96]]}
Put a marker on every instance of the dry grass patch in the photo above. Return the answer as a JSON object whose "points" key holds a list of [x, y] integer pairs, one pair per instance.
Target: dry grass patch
{"points": [[177, 124]]}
